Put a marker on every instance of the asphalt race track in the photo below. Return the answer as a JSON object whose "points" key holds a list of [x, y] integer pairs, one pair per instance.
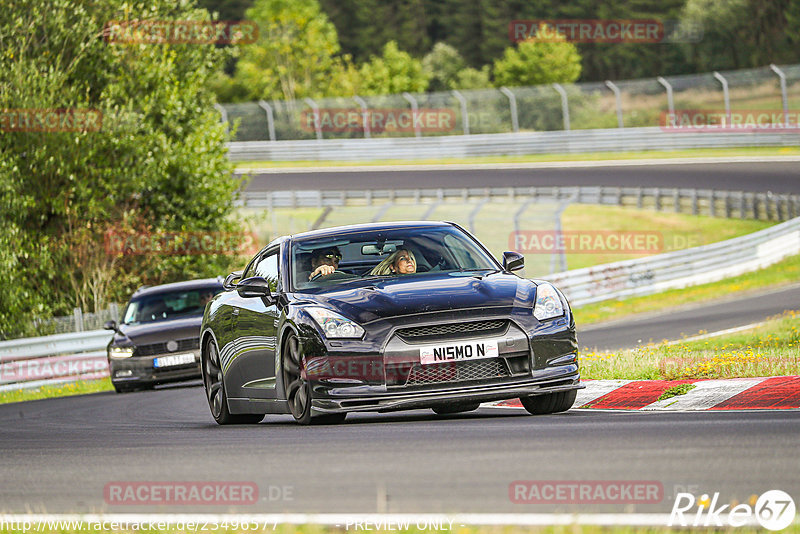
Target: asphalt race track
{"points": [[59, 454], [777, 177], [728, 312]]}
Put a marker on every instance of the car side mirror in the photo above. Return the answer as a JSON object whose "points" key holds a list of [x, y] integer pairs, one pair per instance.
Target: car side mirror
{"points": [[513, 261], [111, 325], [257, 286], [230, 280]]}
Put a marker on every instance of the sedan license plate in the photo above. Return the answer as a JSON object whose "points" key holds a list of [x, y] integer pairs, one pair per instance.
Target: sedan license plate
{"points": [[456, 352], [174, 359]]}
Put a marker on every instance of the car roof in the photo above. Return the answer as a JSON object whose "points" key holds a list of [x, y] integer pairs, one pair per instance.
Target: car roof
{"points": [[178, 286], [354, 228]]}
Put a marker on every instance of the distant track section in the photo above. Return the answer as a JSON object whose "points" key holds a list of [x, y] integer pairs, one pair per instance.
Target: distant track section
{"points": [[776, 175]]}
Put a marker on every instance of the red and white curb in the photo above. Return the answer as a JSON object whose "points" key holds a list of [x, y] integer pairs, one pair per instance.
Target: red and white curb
{"points": [[764, 393]]}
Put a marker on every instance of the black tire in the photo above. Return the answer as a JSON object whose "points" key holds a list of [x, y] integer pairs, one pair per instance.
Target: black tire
{"points": [[215, 391], [550, 403], [328, 418], [456, 408], [123, 389], [298, 388]]}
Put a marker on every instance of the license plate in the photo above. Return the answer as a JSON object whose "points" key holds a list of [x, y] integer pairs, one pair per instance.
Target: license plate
{"points": [[457, 352], [174, 359]]}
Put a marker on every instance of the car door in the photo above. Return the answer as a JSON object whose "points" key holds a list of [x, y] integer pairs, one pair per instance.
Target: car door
{"points": [[255, 327]]}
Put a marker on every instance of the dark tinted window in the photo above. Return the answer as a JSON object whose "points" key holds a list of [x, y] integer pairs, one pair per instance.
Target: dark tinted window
{"points": [[365, 253], [169, 305]]}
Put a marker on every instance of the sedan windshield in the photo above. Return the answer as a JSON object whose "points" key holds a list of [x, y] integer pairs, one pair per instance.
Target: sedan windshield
{"points": [[169, 305], [402, 252]]}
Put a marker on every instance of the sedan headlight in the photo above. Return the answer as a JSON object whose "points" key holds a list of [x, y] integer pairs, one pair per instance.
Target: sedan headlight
{"points": [[120, 352], [334, 325], [548, 303]]}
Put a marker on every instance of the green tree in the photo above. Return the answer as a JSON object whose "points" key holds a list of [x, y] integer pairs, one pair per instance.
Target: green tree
{"points": [[442, 66], [470, 78], [296, 52], [392, 72], [156, 161], [763, 31], [535, 62]]}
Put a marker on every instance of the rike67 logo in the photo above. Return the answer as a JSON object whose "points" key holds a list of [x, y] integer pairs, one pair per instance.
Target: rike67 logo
{"points": [[773, 510]]}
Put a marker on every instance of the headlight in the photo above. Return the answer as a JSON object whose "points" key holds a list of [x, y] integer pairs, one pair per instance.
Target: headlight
{"points": [[120, 352], [334, 325], [548, 303]]}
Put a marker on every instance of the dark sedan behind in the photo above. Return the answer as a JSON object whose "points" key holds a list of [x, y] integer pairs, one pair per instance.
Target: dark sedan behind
{"points": [[158, 339]]}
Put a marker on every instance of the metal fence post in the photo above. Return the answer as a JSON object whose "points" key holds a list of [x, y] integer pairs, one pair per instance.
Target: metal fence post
{"points": [[512, 104], [270, 118], [618, 97], [725, 95], [315, 109], [785, 100], [464, 115], [712, 208], [222, 111], [474, 213], [113, 311], [670, 101], [414, 111], [564, 104], [562, 255], [364, 115], [77, 313]]}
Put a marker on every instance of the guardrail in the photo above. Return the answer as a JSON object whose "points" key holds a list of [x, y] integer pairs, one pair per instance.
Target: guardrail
{"points": [[681, 268], [729, 204], [31, 362], [502, 144]]}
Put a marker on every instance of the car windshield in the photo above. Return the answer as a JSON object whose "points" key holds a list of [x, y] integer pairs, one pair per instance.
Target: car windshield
{"points": [[393, 253], [169, 305]]}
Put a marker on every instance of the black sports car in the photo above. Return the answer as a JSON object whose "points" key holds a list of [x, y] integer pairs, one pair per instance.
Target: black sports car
{"points": [[158, 339], [383, 317]]}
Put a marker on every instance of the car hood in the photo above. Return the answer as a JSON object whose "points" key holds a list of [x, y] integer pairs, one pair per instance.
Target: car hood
{"points": [[160, 331], [446, 292]]}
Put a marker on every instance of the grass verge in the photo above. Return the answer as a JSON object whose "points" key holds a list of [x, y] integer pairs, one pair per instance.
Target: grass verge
{"points": [[782, 273], [67, 389], [772, 349], [673, 231], [538, 158]]}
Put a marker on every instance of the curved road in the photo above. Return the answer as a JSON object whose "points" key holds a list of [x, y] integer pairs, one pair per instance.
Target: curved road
{"points": [[774, 176], [58, 455]]}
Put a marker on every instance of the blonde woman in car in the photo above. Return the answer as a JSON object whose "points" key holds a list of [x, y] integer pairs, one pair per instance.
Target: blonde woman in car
{"points": [[401, 261]]}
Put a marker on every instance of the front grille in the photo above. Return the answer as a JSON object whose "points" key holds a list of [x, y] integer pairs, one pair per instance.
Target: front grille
{"points": [[192, 343], [457, 372], [421, 333]]}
